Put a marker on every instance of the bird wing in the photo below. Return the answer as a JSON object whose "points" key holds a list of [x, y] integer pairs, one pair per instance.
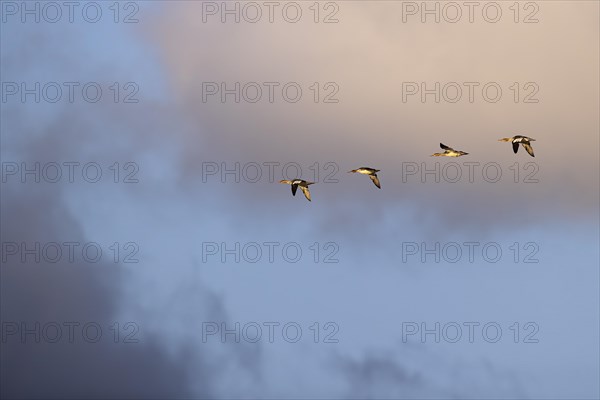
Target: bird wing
{"points": [[528, 148], [443, 146], [375, 180], [515, 146], [306, 192], [294, 188]]}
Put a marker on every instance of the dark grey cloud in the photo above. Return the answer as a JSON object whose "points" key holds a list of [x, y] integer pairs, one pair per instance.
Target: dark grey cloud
{"points": [[158, 365], [396, 374], [77, 292], [374, 375]]}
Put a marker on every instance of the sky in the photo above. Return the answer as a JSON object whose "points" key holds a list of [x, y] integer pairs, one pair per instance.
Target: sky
{"points": [[149, 251]]}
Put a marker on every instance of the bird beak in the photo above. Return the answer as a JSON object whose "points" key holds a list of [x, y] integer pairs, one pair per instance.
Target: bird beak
{"points": [[532, 140]]}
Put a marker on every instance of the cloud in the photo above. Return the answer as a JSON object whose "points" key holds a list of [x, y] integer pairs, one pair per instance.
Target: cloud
{"points": [[170, 133], [76, 292], [370, 125], [101, 293], [412, 372]]}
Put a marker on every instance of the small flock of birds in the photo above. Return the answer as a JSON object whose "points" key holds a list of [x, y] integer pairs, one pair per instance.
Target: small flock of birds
{"points": [[448, 152]]}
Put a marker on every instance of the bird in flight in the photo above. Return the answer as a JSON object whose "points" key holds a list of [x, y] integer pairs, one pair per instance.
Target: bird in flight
{"points": [[449, 152], [369, 171], [524, 140], [299, 183]]}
